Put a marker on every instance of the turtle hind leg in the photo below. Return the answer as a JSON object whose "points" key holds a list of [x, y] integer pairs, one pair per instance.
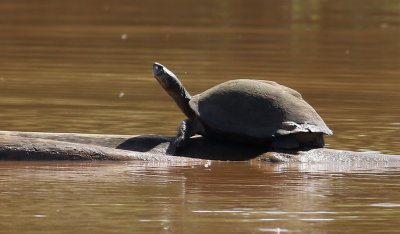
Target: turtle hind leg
{"points": [[284, 142], [310, 139], [303, 140], [186, 129]]}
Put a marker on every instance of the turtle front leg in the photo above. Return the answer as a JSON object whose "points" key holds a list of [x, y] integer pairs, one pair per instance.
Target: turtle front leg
{"points": [[186, 129]]}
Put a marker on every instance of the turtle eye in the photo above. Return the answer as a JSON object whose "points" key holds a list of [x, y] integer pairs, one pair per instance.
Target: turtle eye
{"points": [[157, 69]]}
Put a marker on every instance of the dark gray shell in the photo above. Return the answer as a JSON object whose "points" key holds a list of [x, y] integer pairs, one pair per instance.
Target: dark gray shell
{"points": [[256, 108]]}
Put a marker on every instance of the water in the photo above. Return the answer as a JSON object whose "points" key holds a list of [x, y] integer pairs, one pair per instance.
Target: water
{"points": [[85, 66], [222, 197]]}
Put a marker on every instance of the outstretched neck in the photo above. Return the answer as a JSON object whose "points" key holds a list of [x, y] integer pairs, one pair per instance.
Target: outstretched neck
{"points": [[181, 97], [174, 88]]}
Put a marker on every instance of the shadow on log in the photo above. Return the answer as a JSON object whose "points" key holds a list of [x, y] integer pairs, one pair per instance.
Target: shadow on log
{"points": [[72, 146], [197, 147]]}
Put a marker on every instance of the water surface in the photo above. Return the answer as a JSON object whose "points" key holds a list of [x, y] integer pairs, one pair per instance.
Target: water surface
{"points": [[222, 197]]}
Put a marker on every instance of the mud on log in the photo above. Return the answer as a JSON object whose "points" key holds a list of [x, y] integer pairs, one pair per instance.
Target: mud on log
{"points": [[74, 146]]}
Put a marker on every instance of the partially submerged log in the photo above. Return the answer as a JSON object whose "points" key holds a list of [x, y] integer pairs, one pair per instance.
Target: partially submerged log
{"points": [[69, 146], [73, 146]]}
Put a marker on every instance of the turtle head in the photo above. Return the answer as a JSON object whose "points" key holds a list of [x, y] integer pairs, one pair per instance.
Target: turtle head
{"points": [[165, 77], [173, 87]]}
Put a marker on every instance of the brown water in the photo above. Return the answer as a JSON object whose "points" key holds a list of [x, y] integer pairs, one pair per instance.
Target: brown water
{"points": [[216, 197], [85, 66]]}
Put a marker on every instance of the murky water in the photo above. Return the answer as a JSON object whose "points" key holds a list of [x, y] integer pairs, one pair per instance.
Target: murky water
{"points": [[85, 66], [222, 197]]}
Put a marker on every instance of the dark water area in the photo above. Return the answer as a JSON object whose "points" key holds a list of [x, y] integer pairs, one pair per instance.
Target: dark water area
{"points": [[85, 66]]}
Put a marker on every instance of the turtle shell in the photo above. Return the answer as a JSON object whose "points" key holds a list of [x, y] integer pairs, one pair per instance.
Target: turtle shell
{"points": [[256, 109]]}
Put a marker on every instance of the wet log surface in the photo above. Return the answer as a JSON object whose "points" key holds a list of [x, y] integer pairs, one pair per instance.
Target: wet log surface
{"points": [[74, 146]]}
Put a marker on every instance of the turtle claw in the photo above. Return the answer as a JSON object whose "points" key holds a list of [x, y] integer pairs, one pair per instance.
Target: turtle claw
{"points": [[175, 146], [171, 150]]}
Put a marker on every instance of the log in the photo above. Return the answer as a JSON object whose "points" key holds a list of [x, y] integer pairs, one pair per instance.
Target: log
{"points": [[70, 146], [76, 146]]}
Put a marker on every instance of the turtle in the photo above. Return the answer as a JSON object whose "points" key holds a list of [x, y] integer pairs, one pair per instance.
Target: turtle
{"points": [[245, 111]]}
